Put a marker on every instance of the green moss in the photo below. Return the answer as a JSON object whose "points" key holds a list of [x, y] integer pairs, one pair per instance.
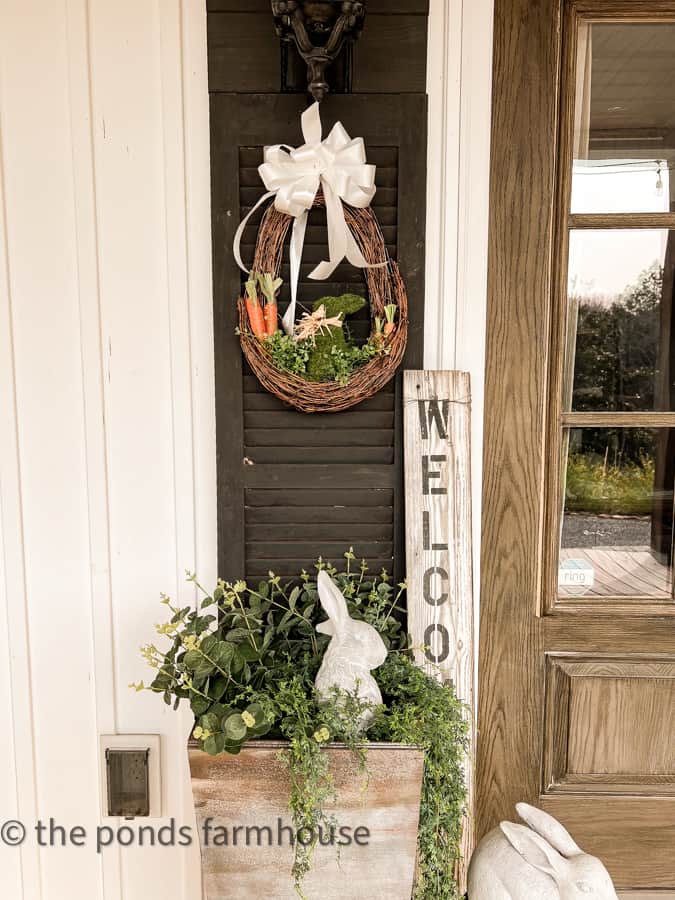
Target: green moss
{"points": [[347, 304], [321, 364]]}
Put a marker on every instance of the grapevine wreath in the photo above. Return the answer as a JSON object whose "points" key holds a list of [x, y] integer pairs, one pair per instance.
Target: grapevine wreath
{"points": [[259, 331]]}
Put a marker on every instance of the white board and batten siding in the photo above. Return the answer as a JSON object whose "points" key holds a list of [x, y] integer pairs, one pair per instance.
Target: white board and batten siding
{"points": [[437, 441], [107, 447]]}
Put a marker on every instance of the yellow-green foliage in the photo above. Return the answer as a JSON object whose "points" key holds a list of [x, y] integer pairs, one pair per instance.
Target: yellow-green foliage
{"points": [[624, 489]]}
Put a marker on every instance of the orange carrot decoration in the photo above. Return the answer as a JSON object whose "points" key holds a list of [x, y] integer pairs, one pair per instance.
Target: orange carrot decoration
{"points": [[254, 309], [270, 285], [390, 313]]}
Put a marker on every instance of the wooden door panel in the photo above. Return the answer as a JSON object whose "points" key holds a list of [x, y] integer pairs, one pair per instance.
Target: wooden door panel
{"points": [[634, 836], [591, 742]]}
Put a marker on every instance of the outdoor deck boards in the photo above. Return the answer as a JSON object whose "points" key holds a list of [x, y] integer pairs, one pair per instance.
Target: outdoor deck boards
{"points": [[624, 571]]}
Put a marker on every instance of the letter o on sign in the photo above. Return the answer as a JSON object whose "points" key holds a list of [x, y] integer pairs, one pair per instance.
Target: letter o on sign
{"points": [[440, 632]]}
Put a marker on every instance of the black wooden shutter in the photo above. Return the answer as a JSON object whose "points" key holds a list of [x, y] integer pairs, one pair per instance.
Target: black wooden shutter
{"points": [[293, 486]]}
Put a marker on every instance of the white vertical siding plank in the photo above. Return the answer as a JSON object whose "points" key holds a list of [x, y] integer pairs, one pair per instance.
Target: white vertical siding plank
{"points": [[147, 384], [175, 193], [198, 219], [10, 857], [41, 241], [196, 146], [100, 588], [17, 785]]}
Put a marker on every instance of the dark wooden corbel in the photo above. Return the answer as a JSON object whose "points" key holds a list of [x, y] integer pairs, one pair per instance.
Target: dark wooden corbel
{"points": [[319, 29]]}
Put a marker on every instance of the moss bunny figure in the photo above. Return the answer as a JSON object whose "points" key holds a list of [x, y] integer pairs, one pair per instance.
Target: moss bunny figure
{"points": [[320, 366]]}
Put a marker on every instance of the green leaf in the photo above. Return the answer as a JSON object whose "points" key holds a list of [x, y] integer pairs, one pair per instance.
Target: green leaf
{"points": [[264, 588], [218, 687], [237, 635], [249, 653], [267, 640], [262, 725], [208, 643], [214, 744], [197, 663], [192, 659], [258, 713], [234, 727], [199, 705], [259, 730], [210, 722], [292, 600], [222, 653], [219, 710]]}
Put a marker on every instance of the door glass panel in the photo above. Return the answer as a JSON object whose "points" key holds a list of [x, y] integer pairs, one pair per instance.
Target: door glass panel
{"points": [[624, 121], [621, 321], [617, 523]]}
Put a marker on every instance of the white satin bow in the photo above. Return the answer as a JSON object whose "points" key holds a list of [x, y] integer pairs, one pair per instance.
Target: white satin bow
{"points": [[293, 177]]}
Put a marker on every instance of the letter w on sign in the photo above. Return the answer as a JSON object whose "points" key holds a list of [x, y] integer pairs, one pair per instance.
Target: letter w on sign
{"points": [[436, 422]]}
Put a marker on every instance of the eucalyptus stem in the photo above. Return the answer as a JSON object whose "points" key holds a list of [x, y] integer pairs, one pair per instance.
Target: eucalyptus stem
{"points": [[248, 625]]}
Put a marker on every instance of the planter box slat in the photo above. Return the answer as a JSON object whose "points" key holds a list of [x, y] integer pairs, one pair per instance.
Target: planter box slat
{"points": [[252, 790]]}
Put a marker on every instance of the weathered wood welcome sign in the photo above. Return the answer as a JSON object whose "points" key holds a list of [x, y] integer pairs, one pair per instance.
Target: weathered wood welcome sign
{"points": [[437, 419]]}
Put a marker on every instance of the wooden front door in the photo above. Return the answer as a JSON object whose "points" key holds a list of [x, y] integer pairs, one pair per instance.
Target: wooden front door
{"points": [[577, 638]]}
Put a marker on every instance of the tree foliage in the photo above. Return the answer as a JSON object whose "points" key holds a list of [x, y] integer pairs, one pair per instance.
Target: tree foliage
{"points": [[616, 364]]}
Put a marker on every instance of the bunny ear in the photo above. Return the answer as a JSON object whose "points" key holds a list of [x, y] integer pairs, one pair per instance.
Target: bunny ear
{"points": [[549, 828], [333, 603], [533, 849]]}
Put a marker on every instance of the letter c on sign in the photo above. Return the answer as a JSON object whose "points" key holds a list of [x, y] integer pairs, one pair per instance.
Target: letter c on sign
{"points": [[428, 575], [442, 633]]}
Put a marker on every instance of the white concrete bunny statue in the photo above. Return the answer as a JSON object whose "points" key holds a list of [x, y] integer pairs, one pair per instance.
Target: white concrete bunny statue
{"points": [[354, 650], [541, 862]]}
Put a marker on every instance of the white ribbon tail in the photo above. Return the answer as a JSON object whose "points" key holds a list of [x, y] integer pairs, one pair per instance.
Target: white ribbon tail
{"points": [[240, 231], [341, 241], [295, 251]]}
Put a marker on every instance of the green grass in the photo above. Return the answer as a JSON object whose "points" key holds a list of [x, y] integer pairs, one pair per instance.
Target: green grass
{"points": [[595, 487]]}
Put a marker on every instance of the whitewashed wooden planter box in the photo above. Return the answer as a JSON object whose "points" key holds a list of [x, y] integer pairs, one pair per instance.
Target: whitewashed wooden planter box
{"points": [[252, 789]]}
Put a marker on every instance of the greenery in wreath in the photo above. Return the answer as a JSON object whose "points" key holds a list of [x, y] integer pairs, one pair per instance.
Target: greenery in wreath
{"points": [[246, 662], [321, 347]]}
